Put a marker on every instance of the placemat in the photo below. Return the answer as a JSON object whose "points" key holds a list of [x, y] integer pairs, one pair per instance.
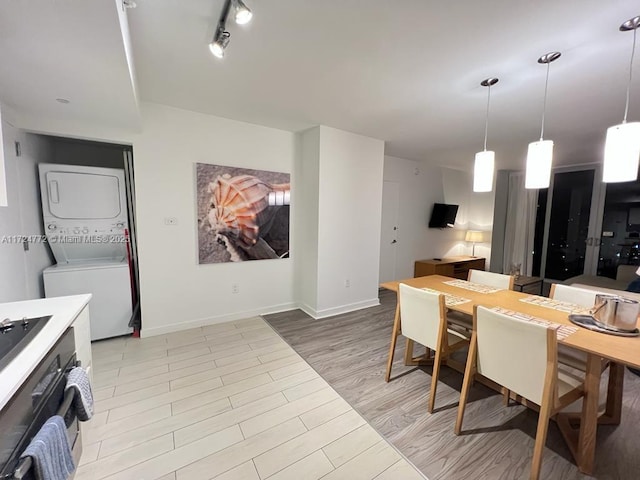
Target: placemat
{"points": [[555, 304], [562, 331], [449, 300], [474, 287]]}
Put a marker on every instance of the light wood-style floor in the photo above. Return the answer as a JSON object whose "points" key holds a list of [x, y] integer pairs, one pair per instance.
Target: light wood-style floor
{"points": [[228, 401], [350, 352]]}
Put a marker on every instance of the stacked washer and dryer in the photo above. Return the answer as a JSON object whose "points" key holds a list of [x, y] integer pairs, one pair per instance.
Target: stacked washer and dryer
{"points": [[85, 217]]}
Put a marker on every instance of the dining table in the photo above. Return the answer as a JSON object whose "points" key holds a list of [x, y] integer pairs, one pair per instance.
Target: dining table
{"points": [[579, 431]]}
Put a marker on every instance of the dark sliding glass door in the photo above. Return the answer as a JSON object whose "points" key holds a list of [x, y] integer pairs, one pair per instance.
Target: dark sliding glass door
{"points": [[566, 245]]}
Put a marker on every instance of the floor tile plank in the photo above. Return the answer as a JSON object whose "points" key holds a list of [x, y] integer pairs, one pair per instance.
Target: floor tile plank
{"points": [[280, 457], [212, 465], [311, 467]]}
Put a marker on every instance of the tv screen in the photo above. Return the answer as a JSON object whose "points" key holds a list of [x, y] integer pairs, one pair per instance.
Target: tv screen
{"points": [[443, 215]]}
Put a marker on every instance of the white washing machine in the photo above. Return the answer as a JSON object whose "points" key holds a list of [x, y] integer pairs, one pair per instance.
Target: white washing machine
{"points": [[85, 216], [108, 282]]}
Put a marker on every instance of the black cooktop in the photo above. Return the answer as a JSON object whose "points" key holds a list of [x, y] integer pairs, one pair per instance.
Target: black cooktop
{"points": [[16, 335]]}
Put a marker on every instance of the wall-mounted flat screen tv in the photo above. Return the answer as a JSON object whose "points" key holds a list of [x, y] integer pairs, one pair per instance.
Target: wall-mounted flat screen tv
{"points": [[443, 215]]}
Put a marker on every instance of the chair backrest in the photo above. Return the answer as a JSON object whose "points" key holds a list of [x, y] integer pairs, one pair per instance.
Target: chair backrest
{"points": [[567, 293], [491, 279], [514, 353], [421, 315]]}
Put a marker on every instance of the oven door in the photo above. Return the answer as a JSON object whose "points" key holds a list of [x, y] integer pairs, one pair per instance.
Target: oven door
{"points": [[41, 397]]}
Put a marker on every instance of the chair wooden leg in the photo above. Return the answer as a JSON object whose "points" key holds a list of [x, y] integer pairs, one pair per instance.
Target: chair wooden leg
{"points": [[434, 380], [408, 352], [541, 438], [506, 393], [469, 373], [394, 339]]}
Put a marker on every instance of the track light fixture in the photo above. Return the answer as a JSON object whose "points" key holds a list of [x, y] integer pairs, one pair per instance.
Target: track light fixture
{"points": [[221, 38]]}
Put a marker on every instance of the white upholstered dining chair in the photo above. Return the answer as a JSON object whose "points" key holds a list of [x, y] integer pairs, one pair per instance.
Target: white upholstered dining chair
{"points": [[522, 357], [423, 320], [567, 293], [491, 279], [578, 359]]}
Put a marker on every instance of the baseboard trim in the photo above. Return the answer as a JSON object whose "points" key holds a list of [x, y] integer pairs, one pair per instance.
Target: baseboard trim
{"points": [[201, 322], [330, 312]]}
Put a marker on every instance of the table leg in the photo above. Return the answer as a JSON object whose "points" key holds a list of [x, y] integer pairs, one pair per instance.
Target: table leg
{"points": [[394, 338], [613, 412], [589, 417]]}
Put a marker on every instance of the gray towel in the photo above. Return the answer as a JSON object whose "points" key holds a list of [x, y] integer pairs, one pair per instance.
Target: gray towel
{"points": [[83, 399], [50, 451]]}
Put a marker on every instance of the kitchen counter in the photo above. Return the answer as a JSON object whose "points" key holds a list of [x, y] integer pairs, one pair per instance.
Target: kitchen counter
{"points": [[64, 311]]}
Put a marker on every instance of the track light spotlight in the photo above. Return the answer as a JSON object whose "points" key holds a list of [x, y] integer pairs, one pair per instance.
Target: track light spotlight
{"points": [[243, 14], [219, 43]]}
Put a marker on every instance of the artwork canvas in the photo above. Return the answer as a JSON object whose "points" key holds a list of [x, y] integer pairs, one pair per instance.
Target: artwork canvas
{"points": [[243, 214]]}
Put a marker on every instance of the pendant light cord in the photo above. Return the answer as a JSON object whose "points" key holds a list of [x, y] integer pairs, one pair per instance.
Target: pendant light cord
{"points": [[544, 104], [633, 51], [486, 120]]}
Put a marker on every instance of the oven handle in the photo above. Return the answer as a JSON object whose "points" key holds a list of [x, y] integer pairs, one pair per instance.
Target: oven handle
{"points": [[26, 463]]}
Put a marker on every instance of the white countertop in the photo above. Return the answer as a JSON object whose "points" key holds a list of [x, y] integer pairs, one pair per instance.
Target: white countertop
{"points": [[64, 310]]}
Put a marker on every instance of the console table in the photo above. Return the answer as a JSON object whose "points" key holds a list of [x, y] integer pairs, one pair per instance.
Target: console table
{"points": [[531, 285], [457, 267]]}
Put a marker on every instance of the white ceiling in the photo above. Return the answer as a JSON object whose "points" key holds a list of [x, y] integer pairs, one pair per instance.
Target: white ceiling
{"points": [[71, 49], [407, 72]]}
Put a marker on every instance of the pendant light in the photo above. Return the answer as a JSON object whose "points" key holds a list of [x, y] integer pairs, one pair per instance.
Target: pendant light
{"points": [[540, 153], [622, 148], [485, 160]]}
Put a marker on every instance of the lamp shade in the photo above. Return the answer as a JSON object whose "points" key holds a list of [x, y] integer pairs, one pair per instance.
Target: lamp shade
{"points": [[539, 158], [483, 171], [474, 236], [622, 153]]}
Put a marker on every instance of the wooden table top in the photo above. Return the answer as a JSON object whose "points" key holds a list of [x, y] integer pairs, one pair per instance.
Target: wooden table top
{"points": [[623, 350]]}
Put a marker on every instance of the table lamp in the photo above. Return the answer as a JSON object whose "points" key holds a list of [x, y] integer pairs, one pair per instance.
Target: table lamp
{"points": [[473, 236]]}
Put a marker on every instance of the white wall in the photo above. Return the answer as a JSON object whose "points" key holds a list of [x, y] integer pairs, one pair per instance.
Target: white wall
{"points": [[305, 234], [336, 189], [475, 210], [420, 187], [349, 218], [20, 270], [176, 292]]}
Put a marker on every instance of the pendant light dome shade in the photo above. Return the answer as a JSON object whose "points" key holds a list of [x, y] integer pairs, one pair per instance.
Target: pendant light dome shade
{"points": [[622, 148], [539, 159], [483, 171], [622, 153]]}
